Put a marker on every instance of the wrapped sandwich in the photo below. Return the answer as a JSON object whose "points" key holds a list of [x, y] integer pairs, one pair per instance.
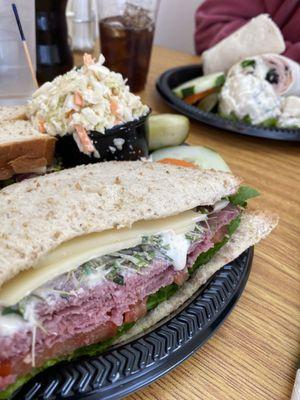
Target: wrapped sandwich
{"points": [[91, 253], [281, 72], [263, 90], [259, 36]]}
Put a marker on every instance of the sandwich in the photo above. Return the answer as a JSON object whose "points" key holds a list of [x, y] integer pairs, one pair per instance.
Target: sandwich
{"points": [[241, 44], [95, 255], [262, 90], [12, 113], [23, 150]]}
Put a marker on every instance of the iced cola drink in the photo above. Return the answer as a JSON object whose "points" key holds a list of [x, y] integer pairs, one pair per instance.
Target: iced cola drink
{"points": [[126, 43]]}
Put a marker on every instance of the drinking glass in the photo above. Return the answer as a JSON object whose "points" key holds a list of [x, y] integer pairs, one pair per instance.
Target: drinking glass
{"points": [[16, 84], [126, 37]]}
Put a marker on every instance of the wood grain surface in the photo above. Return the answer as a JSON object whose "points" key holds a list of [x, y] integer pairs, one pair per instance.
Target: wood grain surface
{"points": [[254, 354]]}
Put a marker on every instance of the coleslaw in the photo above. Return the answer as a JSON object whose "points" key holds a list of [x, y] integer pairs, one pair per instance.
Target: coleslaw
{"points": [[88, 98]]}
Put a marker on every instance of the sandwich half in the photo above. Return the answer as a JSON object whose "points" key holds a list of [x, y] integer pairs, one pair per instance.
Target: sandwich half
{"points": [[95, 255], [23, 149]]}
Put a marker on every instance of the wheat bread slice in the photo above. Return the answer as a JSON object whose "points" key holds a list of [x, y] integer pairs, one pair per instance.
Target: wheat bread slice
{"points": [[254, 226], [23, 149], [39, 214], [11, 113]]}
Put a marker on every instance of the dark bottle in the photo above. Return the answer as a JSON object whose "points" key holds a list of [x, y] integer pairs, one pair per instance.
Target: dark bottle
{"points": [[54, 56]]}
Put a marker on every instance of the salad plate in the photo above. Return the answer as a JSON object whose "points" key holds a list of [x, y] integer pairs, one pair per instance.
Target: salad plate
{"points": [[177, 76], [128, 367]]}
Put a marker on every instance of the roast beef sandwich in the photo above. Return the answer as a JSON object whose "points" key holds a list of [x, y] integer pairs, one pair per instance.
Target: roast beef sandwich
{"points": [[96, 254]]}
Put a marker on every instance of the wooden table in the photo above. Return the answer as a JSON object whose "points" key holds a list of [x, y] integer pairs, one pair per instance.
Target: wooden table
{"points": [[253, 356]]}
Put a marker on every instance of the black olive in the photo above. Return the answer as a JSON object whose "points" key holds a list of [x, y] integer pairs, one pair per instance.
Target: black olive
{"points": [[272, 76]]}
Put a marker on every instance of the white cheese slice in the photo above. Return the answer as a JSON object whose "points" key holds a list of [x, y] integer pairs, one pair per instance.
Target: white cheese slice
{"points": [[72, 254]]}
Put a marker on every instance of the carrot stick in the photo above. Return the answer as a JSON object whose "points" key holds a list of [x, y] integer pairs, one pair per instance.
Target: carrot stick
{"points": [[180, 163], [194, 98]]}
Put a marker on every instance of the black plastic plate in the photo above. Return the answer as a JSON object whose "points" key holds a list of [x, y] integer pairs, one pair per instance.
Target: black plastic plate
{"points": [[175, 76], [127, 368]]}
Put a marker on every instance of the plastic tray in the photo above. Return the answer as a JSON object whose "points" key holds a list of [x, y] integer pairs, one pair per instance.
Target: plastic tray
{"points": [[175, 76]]}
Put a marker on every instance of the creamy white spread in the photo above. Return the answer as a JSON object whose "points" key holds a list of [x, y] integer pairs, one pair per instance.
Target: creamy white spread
{"points": [[177, 248], [247, 95], [11, 324]]}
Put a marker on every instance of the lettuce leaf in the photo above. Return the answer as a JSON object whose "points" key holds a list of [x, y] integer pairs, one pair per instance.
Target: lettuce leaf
{"points": [[205, 257], [244, 193], [161, 295]]}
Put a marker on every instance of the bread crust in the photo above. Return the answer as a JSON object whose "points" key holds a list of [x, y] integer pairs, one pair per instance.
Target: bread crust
{"points": [[39, 214], [23, 149]]}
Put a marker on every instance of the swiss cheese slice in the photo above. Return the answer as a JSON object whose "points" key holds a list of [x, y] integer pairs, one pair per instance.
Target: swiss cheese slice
{"points": [[75, 252]]}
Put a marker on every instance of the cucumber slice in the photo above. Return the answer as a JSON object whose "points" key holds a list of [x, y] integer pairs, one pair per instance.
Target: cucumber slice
{"points": [[199, 85], [202, 156], [167, 130]]}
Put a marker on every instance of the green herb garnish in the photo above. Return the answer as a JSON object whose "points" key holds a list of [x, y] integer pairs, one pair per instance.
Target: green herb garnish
{"points": [[247, 119], [12, 310], [270, 123], [220, 81], [248, 63]]}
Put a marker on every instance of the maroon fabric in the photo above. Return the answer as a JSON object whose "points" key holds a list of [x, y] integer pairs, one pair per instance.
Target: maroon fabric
{"points": [[104, 304], [216, 19]]}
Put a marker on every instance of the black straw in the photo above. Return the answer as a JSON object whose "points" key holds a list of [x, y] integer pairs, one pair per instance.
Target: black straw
{"points": [[15, 10]]}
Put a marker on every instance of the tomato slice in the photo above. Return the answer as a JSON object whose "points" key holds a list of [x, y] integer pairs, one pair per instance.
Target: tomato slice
{"points": [[136, 312], [5, 368], [181, 277]]}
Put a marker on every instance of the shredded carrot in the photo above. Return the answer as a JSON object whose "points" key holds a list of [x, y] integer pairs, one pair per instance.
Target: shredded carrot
{"points": [[78, 100], [194, 98], [70, 113], [86, 142], [42, 127], [88, 59], [180, 163], [114, 107]]}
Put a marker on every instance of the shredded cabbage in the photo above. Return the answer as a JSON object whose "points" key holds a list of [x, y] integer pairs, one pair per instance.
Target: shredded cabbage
{"points": [[92, 97]]}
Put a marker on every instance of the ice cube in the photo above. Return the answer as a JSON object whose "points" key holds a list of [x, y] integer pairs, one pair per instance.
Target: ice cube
{"points": [[137, 17]]}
